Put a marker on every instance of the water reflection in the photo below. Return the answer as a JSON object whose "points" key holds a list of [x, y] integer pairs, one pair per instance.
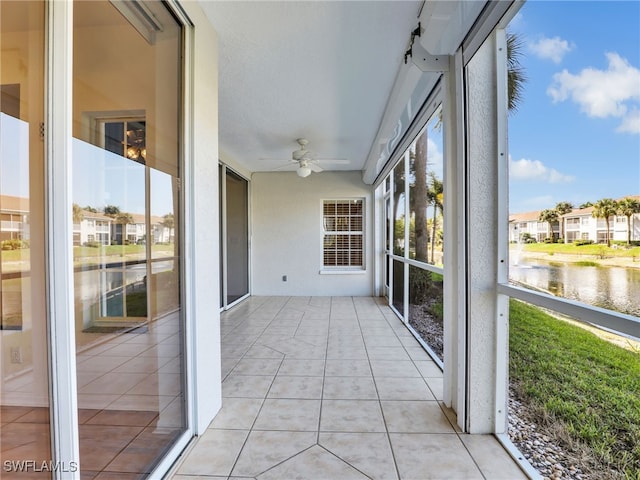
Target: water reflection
{"points": [[614, 288]]}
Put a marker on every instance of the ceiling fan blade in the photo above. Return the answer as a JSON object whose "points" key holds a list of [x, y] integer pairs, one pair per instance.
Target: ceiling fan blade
{"points": [[315, 167]]}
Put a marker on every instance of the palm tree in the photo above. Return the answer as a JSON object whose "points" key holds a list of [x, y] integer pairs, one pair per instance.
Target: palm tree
{"points": [[124, 219], [77, 213], [516, 77], [420, 194], [435, 196], [563, 208], [111, 210], [550, 216], [628, 207], [605, 208]]}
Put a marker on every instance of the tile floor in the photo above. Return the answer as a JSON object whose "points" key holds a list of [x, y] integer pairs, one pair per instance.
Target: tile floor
{"points": [[333, 388]]}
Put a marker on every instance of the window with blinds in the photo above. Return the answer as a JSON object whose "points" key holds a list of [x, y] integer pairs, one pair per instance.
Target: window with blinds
{"points": [[343, 233]]}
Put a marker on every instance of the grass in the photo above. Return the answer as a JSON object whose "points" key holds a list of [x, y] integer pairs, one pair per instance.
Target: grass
{"points": [[575, 380], [571, 249]]}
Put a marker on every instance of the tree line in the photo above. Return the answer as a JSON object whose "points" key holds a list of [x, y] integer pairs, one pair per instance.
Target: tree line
{"points": [[604, 208]]}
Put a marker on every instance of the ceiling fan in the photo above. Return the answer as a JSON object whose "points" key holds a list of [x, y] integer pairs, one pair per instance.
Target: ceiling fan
{"points": [[306, 160]]}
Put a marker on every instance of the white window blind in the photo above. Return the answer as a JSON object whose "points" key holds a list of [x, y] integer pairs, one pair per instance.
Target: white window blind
{"points": [[343, 236]]}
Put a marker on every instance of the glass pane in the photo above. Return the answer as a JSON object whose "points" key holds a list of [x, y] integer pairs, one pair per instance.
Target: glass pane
{"points": [[426, 194], [399, 209], [127, 251], [426, 307], [24, 381], [237, 215]]}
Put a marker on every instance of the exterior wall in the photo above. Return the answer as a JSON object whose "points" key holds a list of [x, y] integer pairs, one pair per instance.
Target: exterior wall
{"points": [[286, 227]]}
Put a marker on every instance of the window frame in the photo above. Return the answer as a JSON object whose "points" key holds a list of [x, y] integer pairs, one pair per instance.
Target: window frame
{"points": [[323, 233]]}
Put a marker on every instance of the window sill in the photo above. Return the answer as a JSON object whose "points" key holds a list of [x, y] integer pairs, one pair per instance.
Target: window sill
{"points": [[342, 272]]}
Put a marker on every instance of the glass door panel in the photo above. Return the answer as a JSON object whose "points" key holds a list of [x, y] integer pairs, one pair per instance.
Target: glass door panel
{"points": [[24, 381], [127, 250]]}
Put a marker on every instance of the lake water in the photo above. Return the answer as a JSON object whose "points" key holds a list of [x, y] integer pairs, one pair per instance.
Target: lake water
{"points": [[615, 288]]}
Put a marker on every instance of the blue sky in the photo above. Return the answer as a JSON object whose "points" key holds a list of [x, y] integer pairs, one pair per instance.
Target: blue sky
{"points": [[576, 135]]}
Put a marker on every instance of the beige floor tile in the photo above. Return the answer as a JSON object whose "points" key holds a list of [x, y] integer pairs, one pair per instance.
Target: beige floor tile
{"points": [[346, 352], [347, 368], [257, 366], [428, 368], [215, 453], [286, 414], [382, 341], [394, 368], [266, 449], [314, 463], [418, 354], [351, 416], [406, 388], [247, 386], [437, 387], [305, 368], [387, 353], [260, 351], [415, 417], [296, 387], [237, 413], [368, 452], [349, 388], [438, 456], [491, 457]]}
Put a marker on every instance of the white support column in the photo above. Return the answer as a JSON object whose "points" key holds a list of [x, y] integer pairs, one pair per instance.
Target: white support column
{"points": [[202, 277], [486, 345], [455, 227], [502, 230], [59, 239]]}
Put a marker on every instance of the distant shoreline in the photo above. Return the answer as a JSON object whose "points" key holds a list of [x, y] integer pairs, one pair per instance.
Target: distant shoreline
{"points": [[627, 262]]}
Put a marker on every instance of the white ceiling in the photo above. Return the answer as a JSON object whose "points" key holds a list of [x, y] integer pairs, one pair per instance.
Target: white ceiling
{"points": [[319, 70]]}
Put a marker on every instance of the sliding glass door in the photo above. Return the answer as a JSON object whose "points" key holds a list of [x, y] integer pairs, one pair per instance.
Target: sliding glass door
{"points": [[234, 237], [127, 248], [24, 369]]}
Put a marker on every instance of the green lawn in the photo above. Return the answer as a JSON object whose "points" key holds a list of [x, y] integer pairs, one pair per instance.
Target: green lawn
{"points": [[580, 382], [572, 249]]}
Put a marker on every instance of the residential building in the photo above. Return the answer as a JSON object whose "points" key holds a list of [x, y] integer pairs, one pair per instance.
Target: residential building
{"points": [[528, 224], [14, 214], [579, 224], [193, 117]]}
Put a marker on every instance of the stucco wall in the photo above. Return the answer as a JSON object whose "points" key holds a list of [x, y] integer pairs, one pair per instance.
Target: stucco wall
{"points": [[287, 233]]}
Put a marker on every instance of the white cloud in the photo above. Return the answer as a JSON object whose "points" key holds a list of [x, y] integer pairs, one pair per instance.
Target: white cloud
{"points": [[630, 122], [535, 170], [553, 49], [614, 92]]}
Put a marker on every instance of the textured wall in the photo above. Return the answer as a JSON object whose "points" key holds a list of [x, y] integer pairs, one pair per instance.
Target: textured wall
{"points": [[482, 181], [286, 229]]}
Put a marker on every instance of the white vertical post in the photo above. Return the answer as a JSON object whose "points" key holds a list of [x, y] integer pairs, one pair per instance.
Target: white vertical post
{"points": [[454, 231], [485, 340], [60, 239], [502, 301]]}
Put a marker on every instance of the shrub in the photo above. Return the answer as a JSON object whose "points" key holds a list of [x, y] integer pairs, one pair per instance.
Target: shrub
{"points": [[13, 244], [581, 242], [92, 244]]}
